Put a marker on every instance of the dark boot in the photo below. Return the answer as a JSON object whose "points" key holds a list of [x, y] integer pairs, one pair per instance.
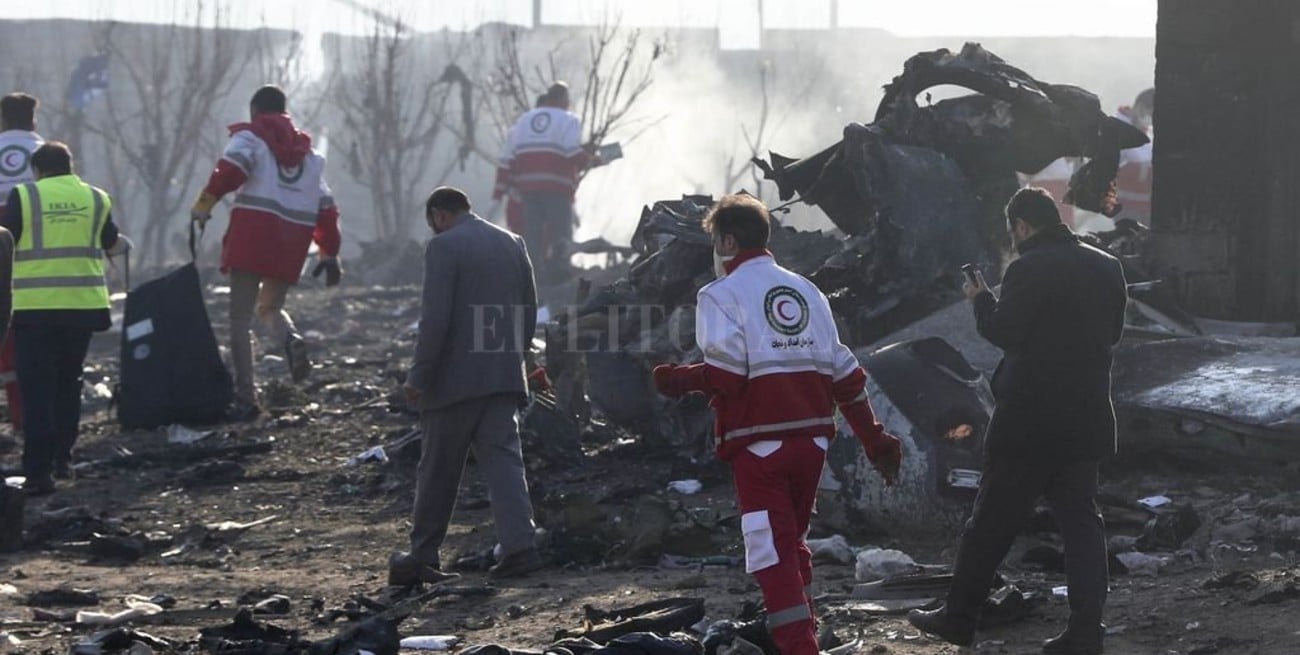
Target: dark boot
{"points": [[1075, 642], [295, 351], [243, 411], [516, 565], [404, 571], [39, 486], [952, 629], [62, 470]]}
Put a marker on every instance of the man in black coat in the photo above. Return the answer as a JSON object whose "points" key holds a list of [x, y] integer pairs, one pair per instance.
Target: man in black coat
{"points": [[1060, 314]]}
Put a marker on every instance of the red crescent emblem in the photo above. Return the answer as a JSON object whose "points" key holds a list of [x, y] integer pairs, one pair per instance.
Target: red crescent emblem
{"points": [[780, 311]]}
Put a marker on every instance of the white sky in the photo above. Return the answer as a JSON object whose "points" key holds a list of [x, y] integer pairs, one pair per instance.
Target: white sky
{"points": [[737, 20]]}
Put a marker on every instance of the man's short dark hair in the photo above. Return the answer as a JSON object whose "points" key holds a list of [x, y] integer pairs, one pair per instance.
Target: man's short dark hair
{"points": [[53, 158], [18, 110], [1034, 206], [270, 99], [742, 216], [447, 199], [557, 92]]}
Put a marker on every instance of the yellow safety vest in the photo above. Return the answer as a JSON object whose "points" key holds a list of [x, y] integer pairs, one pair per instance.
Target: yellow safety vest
{"points": [[58, 260]]}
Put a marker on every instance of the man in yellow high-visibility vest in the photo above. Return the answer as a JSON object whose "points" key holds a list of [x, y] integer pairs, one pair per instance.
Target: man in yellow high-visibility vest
{"points": [[62, 227]]}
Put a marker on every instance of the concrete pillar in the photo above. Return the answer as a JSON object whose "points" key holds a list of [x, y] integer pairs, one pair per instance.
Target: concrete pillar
{"points": [[1226, 194]]}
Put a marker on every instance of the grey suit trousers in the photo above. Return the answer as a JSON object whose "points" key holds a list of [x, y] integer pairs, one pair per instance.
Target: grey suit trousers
{"points": [[488, 426]]}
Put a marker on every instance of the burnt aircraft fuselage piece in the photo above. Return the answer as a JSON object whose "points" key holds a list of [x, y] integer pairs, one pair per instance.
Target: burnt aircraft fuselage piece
{"points": [[1013, 123]]}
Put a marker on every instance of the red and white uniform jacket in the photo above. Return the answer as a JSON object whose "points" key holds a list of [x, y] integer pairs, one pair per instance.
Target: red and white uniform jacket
{"points": [[282, 202], [773, 360], [542, 152], [1133, 181], [16, 148]]}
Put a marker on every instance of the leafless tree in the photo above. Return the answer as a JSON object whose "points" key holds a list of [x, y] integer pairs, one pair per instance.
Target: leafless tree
{"points": [[768, 118], [284, 63], [160, 128], [618, 74], [47, 79], [396, 115]]}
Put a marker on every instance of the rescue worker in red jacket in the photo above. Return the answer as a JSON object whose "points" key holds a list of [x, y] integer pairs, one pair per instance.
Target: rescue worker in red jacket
{"points": [[776, 370], [18, 140], [282, 205], [1133, 180], [538, 169]]}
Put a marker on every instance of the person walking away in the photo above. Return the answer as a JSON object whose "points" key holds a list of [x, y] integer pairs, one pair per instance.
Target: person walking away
{"points": [[539, 166], [281, 205], [62, 227], [478, 316], [1060, 314], [775, 370], [18, 140]]}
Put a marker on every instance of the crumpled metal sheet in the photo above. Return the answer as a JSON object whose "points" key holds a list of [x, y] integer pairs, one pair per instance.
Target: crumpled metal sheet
{"points": [[876, 282], [925, 393], [1210, 397], [1014, 123]]}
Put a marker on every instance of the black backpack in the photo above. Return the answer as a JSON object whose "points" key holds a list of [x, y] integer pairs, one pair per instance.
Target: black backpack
{"points": [[171, 369]]}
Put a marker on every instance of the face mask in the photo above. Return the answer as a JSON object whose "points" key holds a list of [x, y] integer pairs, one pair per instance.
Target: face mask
{"points": [[720, 264]]}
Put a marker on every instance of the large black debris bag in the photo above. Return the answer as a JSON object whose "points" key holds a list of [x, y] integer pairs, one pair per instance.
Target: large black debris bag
{"points": [[171, 369]]}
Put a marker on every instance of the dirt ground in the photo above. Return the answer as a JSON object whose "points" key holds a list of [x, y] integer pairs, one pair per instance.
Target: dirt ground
{"points": [[332, 525]]}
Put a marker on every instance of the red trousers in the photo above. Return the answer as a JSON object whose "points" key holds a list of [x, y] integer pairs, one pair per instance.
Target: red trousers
{"points": [[10, 380], [777, 490]]}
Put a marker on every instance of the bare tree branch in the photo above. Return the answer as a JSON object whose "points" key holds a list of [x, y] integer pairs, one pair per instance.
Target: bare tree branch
{"points": [[177, 79], [397, 114]]}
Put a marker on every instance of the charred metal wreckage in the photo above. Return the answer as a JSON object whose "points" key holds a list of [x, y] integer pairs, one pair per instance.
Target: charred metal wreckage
{"points": [[915, 193]]}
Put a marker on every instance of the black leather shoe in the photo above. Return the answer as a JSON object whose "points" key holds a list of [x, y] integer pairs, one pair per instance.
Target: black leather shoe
{"points": [[960, 632], [295, 351], [243, 411], [516, 565], [1072, 643], [62, 470], [404, 571], [38, 486]]}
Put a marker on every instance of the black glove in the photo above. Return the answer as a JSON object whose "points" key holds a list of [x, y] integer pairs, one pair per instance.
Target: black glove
{"points": [[333, 272]]}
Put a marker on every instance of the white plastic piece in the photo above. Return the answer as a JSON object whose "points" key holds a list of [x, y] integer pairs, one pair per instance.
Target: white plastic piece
{"points": [[686, 487], [430, 642]]}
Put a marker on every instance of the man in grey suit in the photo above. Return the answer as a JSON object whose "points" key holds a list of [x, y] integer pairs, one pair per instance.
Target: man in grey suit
{"points": [[477, 320]]}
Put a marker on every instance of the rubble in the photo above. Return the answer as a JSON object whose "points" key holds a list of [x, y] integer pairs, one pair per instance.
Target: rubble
{"points": [[430, 642], [685, 487], [1210, 397], [1141, 564], [63, 597], [134, 610], [132, 642], [663, 616], [601, 449], [832, 549], [13, 501], [876, 564]]}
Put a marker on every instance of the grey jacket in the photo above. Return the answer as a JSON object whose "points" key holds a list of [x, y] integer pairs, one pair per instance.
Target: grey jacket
{"points": [[478, 315]]}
